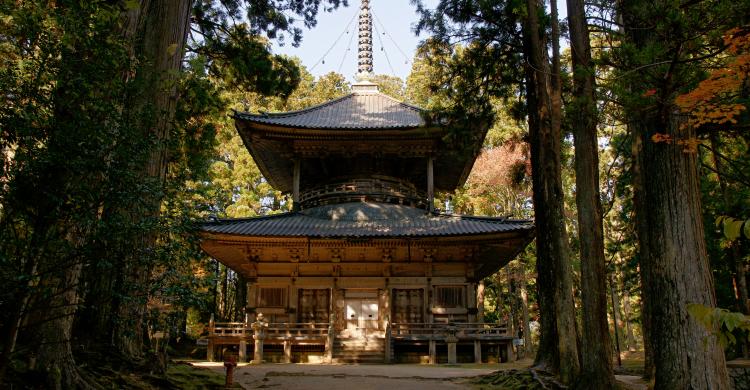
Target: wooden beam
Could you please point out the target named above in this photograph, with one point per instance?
(430, 184)
(295, 184)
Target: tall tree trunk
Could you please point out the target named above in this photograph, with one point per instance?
(627, 315)
(675, 265)
(15, 317)
(223, 293)
(641, 208)
(557, 350)
(55, 355)
(241, 298)
(596, 368)
(160, 45)
(525, 313)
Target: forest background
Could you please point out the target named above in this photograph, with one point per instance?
(116, 139)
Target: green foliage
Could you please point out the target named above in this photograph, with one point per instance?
(733, 228)
(77, 187)
(721, 323)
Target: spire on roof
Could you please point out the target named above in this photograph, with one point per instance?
(365, 41)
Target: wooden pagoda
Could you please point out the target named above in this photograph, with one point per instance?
(364, 269)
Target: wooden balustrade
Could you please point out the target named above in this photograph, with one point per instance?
(302, 331)
(435, 330)
(273, 331)
(378, 188)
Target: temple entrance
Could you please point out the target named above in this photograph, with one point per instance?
(361, 316)
(361, 312)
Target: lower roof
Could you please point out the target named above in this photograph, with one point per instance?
(365, 219)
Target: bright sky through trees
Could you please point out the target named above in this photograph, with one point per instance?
(396, 17)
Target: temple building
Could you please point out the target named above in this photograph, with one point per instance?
(364, 269)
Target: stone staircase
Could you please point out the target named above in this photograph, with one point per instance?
(359, 350)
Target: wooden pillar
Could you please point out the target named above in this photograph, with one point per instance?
(287, 350)
(388, 342)
(480, 301)
(452, 341)
(430, 184)
(243, 351)
(509, 352)
(433, 351)
(295, 184)
(477, 351)
(210, 347)
(210, 350)
(429, 303)
(331, 335)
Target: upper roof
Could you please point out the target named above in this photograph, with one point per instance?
(365, 108)
(361, 134)
(365, 219)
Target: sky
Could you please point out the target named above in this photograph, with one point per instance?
(394, 17)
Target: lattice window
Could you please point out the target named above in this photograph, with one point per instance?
(449, 296)
(272, 297)
(313, 305)
(407, 305)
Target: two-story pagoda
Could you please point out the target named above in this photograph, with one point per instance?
(363, 269)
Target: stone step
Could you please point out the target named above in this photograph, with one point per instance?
(359, 342)
(359, 357)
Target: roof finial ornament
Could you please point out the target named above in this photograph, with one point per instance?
(365, 42)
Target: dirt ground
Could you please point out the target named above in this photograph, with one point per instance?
(354, 377)
(371, 376)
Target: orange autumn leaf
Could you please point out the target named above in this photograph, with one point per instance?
(659, 137)
(713, 100)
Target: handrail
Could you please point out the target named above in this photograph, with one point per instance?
(281, 329)
(462, 329)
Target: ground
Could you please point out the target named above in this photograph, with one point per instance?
(372, 376)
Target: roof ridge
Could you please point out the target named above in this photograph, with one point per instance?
(401, 102)
(286, 114)
(220, 221)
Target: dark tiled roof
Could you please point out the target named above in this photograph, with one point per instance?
(364, 220)
(359, 110)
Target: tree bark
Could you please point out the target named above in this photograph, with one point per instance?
(160, 45)
(627, 315)
(641, 208)
(596, 368)
(55, 355)
(557, 350)
(675, 265)
(525, 313)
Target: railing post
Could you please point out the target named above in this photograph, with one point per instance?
(477, 351)
(433, 351)
(243, 351)
(387, 358)
(330, 339)
(243, 340)
(210, 346)
(288, 349)
(451, 340)
(509, 353)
